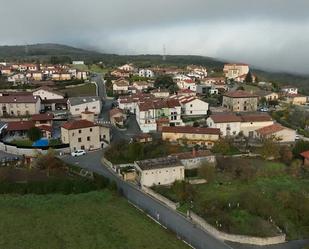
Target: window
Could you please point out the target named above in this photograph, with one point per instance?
(88, 138)
(79, 139)
(76, 109)
(79, 131)
(90, 129)
(191, 105)
(94, 107)
(72, 134)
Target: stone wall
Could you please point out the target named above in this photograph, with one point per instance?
(236, 238)
(161, 198)
(28, 151)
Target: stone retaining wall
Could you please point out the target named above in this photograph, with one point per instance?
(28, 152)
(161, 198)
(236, 238)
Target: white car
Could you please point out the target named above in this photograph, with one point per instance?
(297, 137)
(78, 153)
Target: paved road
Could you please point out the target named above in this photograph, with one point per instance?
(100, 86)
(183, 228)
(167, 217)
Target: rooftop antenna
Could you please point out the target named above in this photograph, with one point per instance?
(164, 53)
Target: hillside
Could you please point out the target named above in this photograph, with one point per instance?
(63, 53)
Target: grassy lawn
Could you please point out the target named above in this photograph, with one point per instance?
(251, 88)
(54, 142)
(22, 142)
(92, 220)
(245, 206)
(85, 90)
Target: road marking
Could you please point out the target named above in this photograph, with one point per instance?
(188, 244)
(156, 221)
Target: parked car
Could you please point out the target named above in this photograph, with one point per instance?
(297, 137)
(78, 153)
(264, 109)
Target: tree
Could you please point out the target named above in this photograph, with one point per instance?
(269, 149)
(300, 147)
(295, 168)
(222, 146)
(207, 171)
(286, 154)
(249, 78)
(165, 82)
(34, 134)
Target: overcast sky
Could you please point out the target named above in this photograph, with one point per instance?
(270, 34)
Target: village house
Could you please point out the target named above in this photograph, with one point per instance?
(289, 90)
(187, 84)
(181, 77)
(84, 134)
(296, 99)
(20, 128)
(146, 73)
(231, 124)
(191, 135)
(159, 171)
(141, 85)
(77, 105)
(160, 93)
(276, 131)
(142, 138)
(17, 78)
(36, 75)
(233, 71)
(120, 73)
(186, 93)
(6, 70)
(120, 86)
(43, 119)
(240, 101)
(117, 117)
(46, 93)
(269, 96)
(149, 111)
(61, 76)
(19, 105)
(127, 68)
(192, 106)
(211, 80)
(196, 158)
(197, 70)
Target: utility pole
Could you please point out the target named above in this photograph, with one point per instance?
(164, 53)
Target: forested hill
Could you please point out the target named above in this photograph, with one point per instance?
(65, 54)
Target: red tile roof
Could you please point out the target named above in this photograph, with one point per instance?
(115, 111)
(305, 154)
(19, 99)
(268, 130)
(256, 117)
(240, 94)
(225, 118)
(20, 125)
(45, 128)
(78, 124)
(191, 130)
(42, 117)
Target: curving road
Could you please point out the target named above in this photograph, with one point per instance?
(175, 222)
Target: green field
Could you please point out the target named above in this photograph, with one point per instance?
(85, 90)
(245, 205)
(92, 220)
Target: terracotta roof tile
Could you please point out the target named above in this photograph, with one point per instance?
(240, 94)
(78, 124)
(268, 130)
(191, 130)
